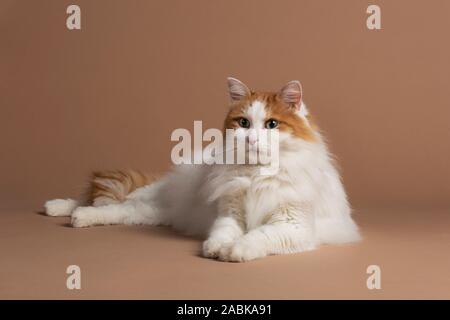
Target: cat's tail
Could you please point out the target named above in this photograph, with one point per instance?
(104, 187)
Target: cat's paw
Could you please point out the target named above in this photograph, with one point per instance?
(60, 207)
(241, 251)
(212, 247)
(84, 217)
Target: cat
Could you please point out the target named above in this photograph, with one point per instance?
(242, 214)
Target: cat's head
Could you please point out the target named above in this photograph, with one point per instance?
(252, 111)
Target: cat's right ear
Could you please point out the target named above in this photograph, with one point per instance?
(237, 89)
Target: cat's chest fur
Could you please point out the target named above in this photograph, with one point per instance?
(258, 199)
(249, 195)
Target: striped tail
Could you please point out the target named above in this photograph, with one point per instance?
(113, 186)
(105, 187)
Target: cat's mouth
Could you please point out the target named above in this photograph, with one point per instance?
(253, 148)
(260, 155)
(261, 147)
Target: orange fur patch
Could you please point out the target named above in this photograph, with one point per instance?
(114, 185)
(276, 109)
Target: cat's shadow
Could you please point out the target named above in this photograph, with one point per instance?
(164, 232)
(161, 231)
(64, 224)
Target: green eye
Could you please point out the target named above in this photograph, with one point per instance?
(271, 124)
(244, 123)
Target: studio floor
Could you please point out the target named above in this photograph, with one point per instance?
(412, 248)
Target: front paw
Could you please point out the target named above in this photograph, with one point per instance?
(241, 251)
(213, 246)
(83, 217)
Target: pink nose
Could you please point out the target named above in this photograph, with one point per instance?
(252, 141)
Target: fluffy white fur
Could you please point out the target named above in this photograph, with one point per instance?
(243, 214)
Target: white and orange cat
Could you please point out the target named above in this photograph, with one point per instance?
(242, 214)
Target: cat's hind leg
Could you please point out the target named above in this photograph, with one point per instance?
(130, 212)
(60, 207)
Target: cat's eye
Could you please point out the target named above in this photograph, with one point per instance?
(244, 123)
(271, 124)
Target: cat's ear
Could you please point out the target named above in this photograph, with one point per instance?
(291, 93)
(237, 89)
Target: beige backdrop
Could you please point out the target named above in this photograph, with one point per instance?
(109, 96)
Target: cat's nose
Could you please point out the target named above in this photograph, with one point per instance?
(252, 140)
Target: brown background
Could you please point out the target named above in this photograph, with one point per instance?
(109, 96)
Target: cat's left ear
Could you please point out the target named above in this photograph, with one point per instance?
(291, 94)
